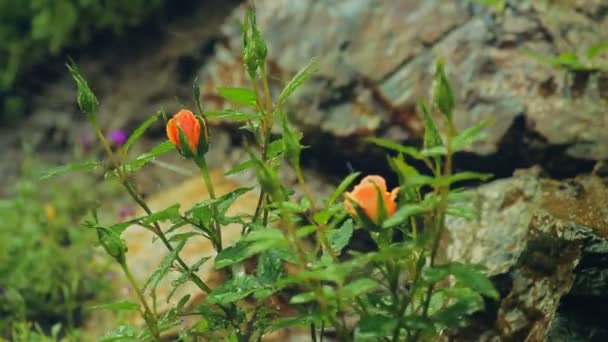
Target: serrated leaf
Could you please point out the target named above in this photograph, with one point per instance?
(185, 276)
(182, 236)
(241, 167)
(339, 238)
(232, 115)
(233, 254)
(241, 96)
(169, 213)
(391, 145)
(233, 290)
(404, 213)
(472, 277)
(302, 298)
(270, 266)
(296, 321)
(123, 333)
(64, 169)
(298, 80)
(358, 287)
(147, 157)
(470, 135)
(164, 267)
(121, 305)
(139, 131)
(375, 327)
(431, 138)
(345, 184)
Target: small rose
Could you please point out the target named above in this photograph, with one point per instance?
(186, 127)
(367, 196)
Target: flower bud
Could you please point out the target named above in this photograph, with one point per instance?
(184, 131)
(371, 198)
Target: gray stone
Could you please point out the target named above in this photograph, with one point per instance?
(376, 60)
(542, 241)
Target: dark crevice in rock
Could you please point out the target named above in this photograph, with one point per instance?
(580, 319)
(522, 148)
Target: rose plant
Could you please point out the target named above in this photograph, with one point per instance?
(400, 290)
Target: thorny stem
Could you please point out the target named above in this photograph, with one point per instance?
(149, 316)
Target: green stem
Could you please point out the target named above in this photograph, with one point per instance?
(149, 316)
(159, 233)
(202, 164)
(439, 218)
(322, 232)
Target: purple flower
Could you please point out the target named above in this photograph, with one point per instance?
(126, 212)
(117, 137)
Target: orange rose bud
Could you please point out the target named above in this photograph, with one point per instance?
(365, 195)
(190, 126)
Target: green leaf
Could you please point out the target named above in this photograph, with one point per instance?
(443, 97)
(182, 236)
(241, 167)
(164, 267)
(216, 318)
(233, 290)
(358, 287)
(170, 213)
(432, 275)
(596, 49)
(121, 305)
(339, 238)
(473, 277)
(291, 140)
(185, 276)
(232, 115)
(345, 184)
(63, 169)
(470, 135)
(431, 134)
(123, 333)
(298, 80)
(464, 176)
(464, 301)
(147, 157)
(391, 145)
(241, 96)
(404, 213)
(275, 148)
(375, 327)
(270, 266)
(295, 321)
(233, 254)
(465, 211)
(302, 298)
(139, 131)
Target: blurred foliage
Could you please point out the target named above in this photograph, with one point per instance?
(47, 271)
(33, 30)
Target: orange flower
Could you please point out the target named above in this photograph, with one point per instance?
(365, 195)
(189, 125)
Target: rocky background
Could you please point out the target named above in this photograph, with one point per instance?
(542, 232)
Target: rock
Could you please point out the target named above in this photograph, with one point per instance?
(376, 60)
(543, 242)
